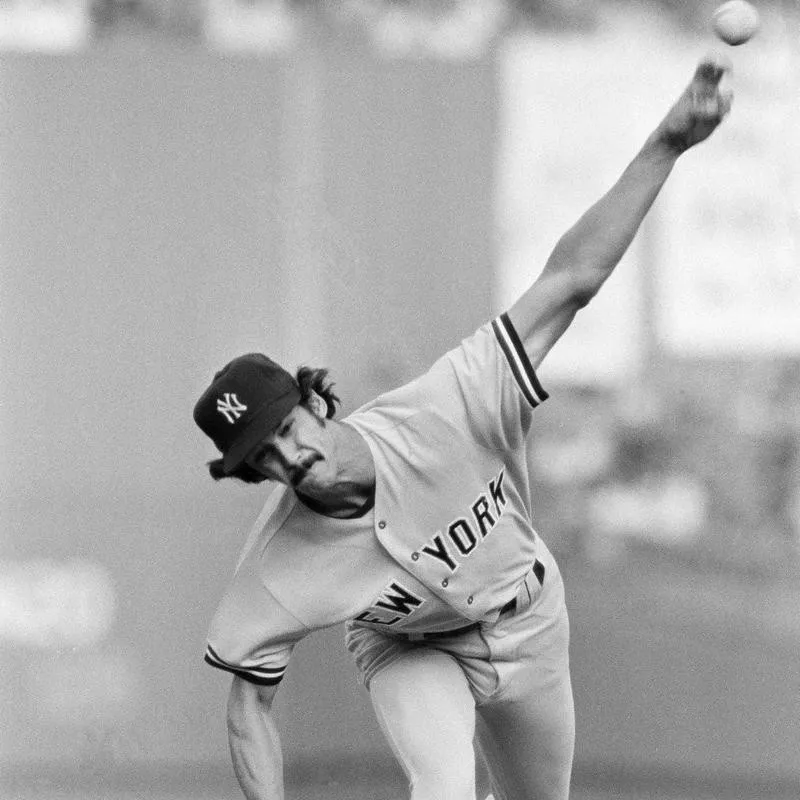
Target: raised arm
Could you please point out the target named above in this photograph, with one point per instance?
(588, 252)
(254, 741)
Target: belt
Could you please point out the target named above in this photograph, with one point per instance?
(509, 607)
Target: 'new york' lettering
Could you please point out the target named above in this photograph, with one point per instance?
(394, 598)
(465, 533)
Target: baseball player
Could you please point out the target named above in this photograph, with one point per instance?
(410, 520)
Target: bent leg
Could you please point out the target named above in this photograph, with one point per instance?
(529, 746)
(527, 730)
(426, 710)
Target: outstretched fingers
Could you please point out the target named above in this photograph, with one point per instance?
(712, 68)
(701, 107)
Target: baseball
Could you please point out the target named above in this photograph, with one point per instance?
(735, 22)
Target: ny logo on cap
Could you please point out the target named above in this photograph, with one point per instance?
(231, 408)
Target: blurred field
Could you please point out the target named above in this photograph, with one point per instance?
(392, 788)
(686, 687)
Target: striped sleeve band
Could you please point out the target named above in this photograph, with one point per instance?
(262, 676)
(518, 361)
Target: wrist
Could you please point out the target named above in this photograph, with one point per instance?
(662, 148)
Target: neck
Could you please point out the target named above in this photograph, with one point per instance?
(339, 506)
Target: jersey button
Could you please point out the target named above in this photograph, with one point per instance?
(415, 556)
(382, 524)
(445, 582)
(470, 599)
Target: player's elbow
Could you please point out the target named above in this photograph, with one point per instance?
(583, 293)
(583, 271)
(240, 700)
(246, 702)
(581, 286)
(578, 280)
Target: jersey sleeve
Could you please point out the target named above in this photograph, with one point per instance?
(490, 381)
(252, 634)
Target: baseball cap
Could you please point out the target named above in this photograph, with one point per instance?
(245, 402)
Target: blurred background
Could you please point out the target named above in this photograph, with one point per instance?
(359, 184)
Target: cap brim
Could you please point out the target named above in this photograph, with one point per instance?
(262, 424)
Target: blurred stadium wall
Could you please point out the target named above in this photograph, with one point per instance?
(166, 205)
(162, 210)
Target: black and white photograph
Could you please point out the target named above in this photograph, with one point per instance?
(400, 399)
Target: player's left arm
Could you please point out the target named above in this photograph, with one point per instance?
(589, 251)
(254, 741)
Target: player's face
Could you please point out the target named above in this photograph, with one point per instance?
(297, 454)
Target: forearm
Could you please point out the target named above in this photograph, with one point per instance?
(588, 252)
(594, 245)
(255, 745)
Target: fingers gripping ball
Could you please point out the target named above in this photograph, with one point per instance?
(701, 107)
(711, 97)
(735, 22)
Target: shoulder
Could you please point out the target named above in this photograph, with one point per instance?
(252, 634)
(251, 604)
(276, 510)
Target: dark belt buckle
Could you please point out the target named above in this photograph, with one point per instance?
(538, 571)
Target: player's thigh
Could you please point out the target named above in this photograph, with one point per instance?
(529, 742)
(425, 707)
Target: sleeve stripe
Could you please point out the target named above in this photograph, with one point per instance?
(267, 670)
(518, 360)
(244, 675)
(263, 676)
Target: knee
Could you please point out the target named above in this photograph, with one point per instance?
(444, 773)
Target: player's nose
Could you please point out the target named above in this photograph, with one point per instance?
(288, 454)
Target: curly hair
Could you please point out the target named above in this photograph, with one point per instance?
(308, 379)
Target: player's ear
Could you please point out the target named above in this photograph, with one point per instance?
(317, 405)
